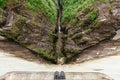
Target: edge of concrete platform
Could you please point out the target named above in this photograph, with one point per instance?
(50, 76)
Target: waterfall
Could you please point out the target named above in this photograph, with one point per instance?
(59, 29)
(59, 16)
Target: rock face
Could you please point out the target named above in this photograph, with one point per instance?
(35, 32)
(98, 22)
(95, 24)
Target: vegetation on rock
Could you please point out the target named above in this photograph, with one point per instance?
(84, 24)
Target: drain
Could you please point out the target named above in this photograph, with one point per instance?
(59, 76)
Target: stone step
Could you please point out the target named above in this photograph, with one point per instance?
(50, 76)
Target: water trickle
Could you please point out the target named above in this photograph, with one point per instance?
(59, 33)
(59, 16)
(59, 29)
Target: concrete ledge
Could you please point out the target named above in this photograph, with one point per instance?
(50, 76)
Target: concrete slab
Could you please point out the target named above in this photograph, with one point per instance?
(108, 65)
(50, 76)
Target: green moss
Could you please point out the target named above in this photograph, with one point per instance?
(74, 21)
(9, 34)
(52, 37)
(41, 50)
(22, 22)
(1, 11)
(88, 30)
(103, 1)
(2, 3)
(43, 53)
(77, 36)
(47, 7)
(93, 16)
(96, 25)
(89, 19)
(72, 7)
(2, 18)
(72, 51)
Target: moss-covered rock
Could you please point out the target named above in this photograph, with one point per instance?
(32, 35)
(2, 18)
(81, 29)
(94, 24)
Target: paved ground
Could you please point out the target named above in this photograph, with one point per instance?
(50, 76)
(109, 65)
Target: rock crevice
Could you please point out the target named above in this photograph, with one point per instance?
(60, 41)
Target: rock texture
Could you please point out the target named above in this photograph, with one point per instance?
(36, 32)
(95, 24)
